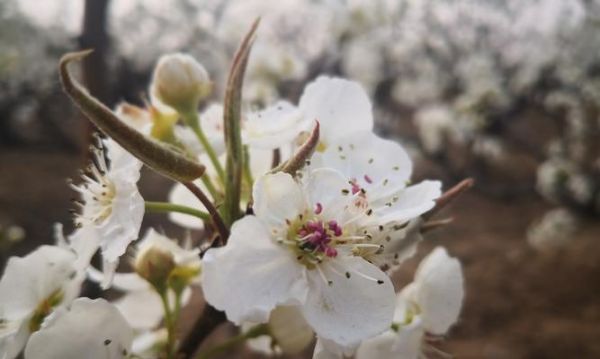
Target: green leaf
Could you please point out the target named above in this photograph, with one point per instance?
(151, 152)
(232, 124)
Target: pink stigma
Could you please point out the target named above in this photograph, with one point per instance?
(318, 208)
(368, 179)
(317, 236)
(355, 186)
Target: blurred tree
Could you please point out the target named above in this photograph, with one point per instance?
(94, 35)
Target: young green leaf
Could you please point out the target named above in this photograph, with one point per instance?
(151, 152)
(232, 124)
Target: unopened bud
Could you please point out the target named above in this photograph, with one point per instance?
(155, 265)
(180, 81)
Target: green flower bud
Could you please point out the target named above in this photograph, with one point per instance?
(180, 81)
(155, 265)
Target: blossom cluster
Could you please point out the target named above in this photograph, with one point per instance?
(305, 215)
(486, 70)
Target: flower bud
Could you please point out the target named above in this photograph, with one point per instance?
(180, 81)
(155, 265)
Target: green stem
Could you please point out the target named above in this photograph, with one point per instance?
(170, 324)
(191, 118)
(254, 332)
(177, 309)
(247, 170)
(162, 207)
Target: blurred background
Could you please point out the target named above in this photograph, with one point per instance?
(504, 91)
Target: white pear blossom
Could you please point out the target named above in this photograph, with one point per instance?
(556, 229)
(111, 207)
(88, 329)
(342, 108)
(429, 305)
(299, 250)
(31, 288)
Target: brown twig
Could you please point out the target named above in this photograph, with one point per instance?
(214, 214)
(449, 196)
(204, 326)
(431, 225)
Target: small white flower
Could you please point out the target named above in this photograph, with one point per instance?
(556, 229)
(430, 304)
(342, 108)
(111, 209)
(435, 124)
(88, 329)
(298, 250)
(31, 288)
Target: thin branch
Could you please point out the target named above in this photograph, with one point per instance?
(204, 326)
(212, 211)
(449, 196)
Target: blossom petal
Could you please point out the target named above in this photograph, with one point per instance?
(275, 126)
(379, 166)
(408, 203)
(121, 281)
(252, 274)
(29, 280)
(277, 198)
(439, 290)
(143, 310)
(341, 107)
(89, 329)
(358, 304)
(405, 344)
(123, 225)
(326, 349)
(13, 337)
(325, 186)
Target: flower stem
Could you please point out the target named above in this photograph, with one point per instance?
(162, 207)
(191, 118)
(170, 324)
(247, 169)
(254, 332)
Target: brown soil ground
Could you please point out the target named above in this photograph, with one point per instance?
(520, 303)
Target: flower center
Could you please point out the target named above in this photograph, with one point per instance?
(314, 239)
(97, 191)
(316, 236)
